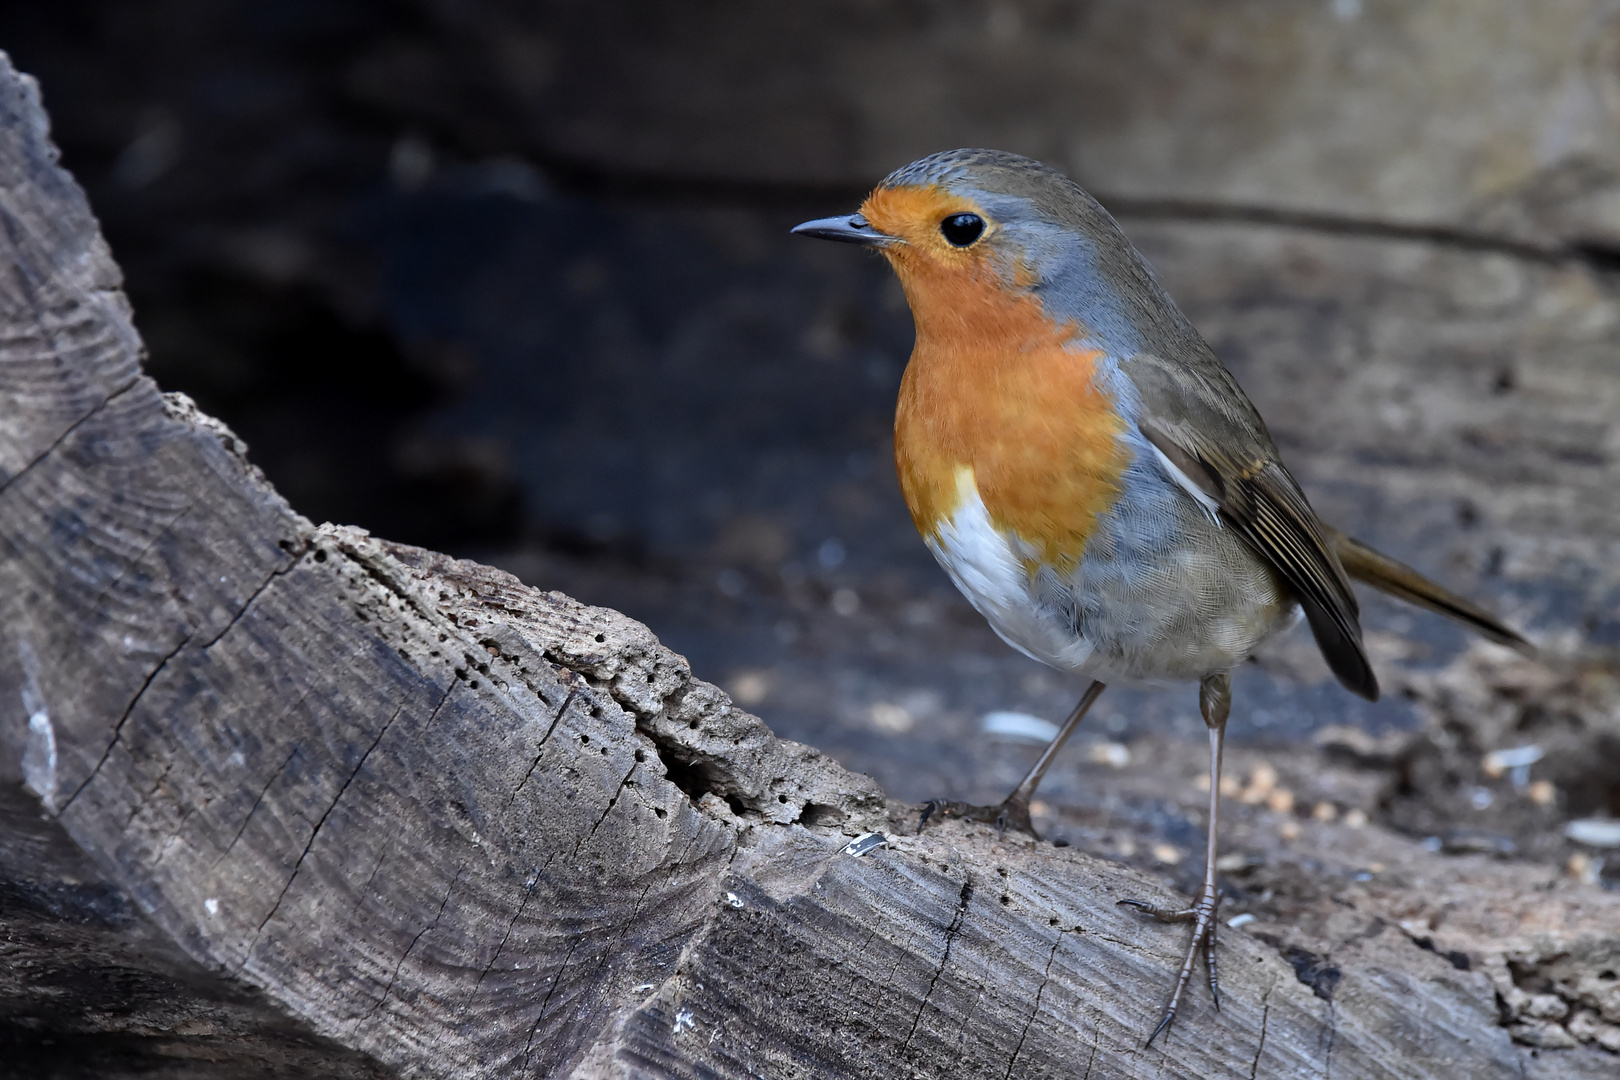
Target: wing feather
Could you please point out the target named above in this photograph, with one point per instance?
(1200, 421)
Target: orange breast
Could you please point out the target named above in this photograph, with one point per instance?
(992, 387)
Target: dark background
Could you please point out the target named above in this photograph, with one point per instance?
(513, 281)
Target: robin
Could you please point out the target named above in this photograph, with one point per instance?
(1090, 476)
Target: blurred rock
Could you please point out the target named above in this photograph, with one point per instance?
(1503, 119)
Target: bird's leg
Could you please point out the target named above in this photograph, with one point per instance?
(1215, 702)
(1013, 811)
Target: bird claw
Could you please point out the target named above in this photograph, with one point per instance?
(1164, 1025)
(929, 809)
(1202, 916)
(1010, 814)
(1162, 914)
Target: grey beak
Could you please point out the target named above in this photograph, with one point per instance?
(849, 228)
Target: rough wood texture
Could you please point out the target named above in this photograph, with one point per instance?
(469, 829)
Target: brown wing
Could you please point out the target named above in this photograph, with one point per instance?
(1200, 419)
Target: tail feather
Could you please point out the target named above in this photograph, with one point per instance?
(1399, 580)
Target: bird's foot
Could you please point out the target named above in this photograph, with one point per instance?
(1012, 813)
(1202, 916)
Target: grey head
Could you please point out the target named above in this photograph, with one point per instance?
(1084, 269)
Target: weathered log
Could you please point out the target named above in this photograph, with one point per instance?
(453, 826)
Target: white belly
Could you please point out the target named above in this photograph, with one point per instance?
(985, 565)
(1162, 591)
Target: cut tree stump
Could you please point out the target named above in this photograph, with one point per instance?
(317, 804)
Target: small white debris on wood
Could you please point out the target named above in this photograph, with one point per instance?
(1114, 754)
(1019, 727)
(1545, 1007)
(864, 844)
(1585, 869)
(1543, 1034)
(1168, 853)
(1596, 832)
(1515, 761)
(887, 716)
(750, 688)
(39, 753)
(1587, 1026)
(1262, 782)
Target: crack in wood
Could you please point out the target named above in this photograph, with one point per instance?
(1265, 1018)
(302, 697)
(675, 867)
(528, 1047)
(140, 804)
(374, 571)
(400, 963)
(855, 976)
(167, 529)
(945, 957)
(1046, 977)
(248, 603)
(259, 799)
(568, 699)
(635, 909)
(611, 803)
(1333, 1038)
(360, 895)
(247, 954)
(523, 904)
(118, 728)
(67, 433)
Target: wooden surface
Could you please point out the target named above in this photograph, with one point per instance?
(453, 826)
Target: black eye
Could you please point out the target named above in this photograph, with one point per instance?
(962, 229)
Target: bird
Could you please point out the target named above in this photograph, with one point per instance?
(1091, 477)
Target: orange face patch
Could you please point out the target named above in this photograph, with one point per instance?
(914, 214)
(994, 386)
